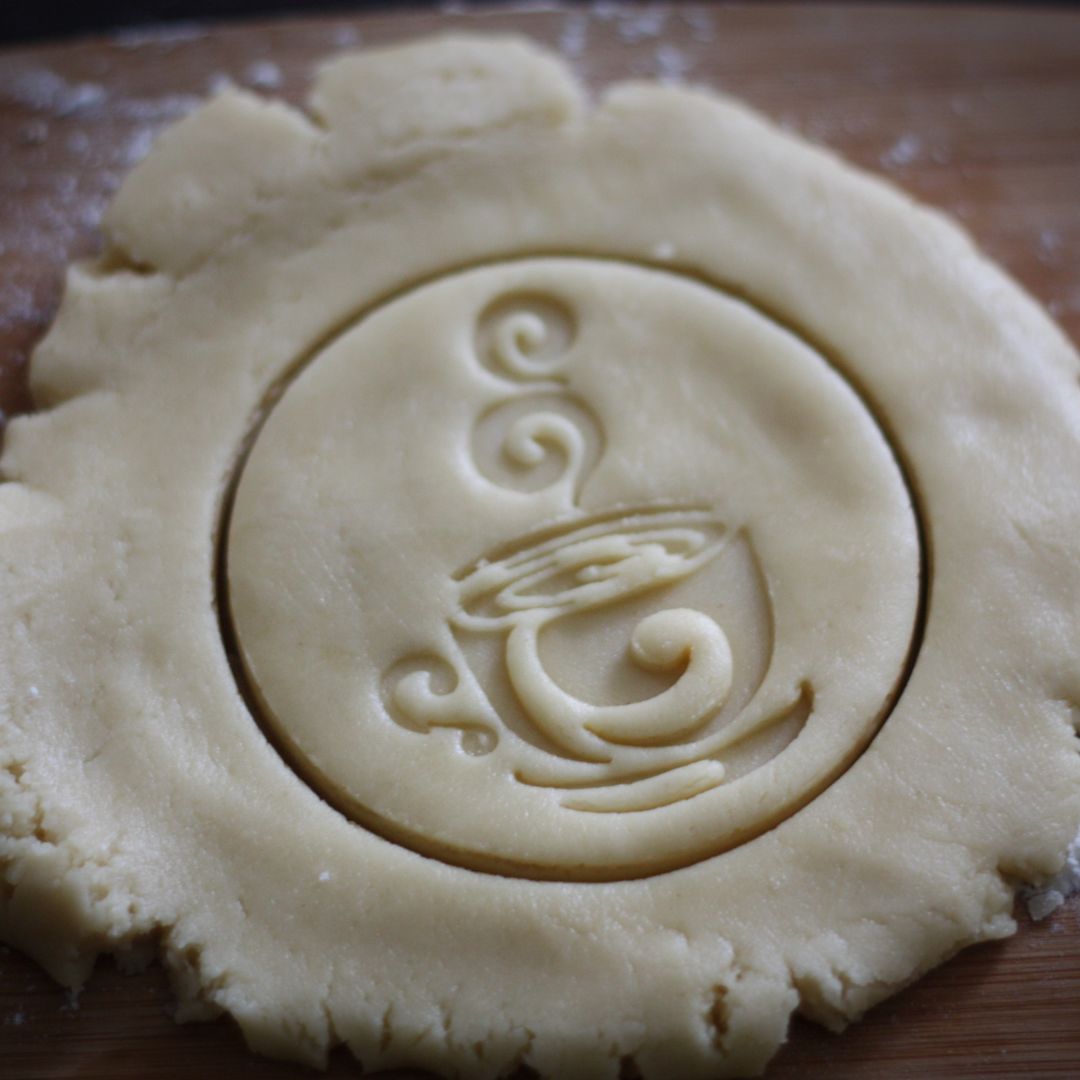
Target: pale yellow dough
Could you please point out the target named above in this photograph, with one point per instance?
(645, 543)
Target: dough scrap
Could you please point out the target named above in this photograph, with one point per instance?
(263, 266)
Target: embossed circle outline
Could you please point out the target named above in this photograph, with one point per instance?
(465, 859)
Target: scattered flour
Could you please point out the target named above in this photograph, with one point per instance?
(1067, 305)
(34, 133)
(1050, 246)
(574, 35)
(138, 146)
(263, 75)
(345, 36)
(156, 110)
(1049, 897)
(605, 10)
(16, 306)
(672, 64)
(81, 96)
(904, 151)
(165, 34)
(701, 24)
(640, 24)
(60, 209)
(43, 90)
(78, 142)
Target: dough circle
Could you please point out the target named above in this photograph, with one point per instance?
(686, 464)
(248, 254)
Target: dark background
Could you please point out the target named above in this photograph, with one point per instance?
(34, 20)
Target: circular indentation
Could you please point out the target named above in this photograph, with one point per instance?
(571, 569)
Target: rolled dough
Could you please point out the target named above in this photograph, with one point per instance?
(499, 580)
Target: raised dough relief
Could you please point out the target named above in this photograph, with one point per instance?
(543, 441)
(558, 593)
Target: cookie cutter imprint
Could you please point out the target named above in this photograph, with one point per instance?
(751, 513)
(258, 258)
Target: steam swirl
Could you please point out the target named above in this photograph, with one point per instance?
(526, 338)
(537, 444)
(517, 340)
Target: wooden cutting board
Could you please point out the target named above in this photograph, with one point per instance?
(975, 111)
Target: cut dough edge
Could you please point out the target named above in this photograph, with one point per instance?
(50, 876)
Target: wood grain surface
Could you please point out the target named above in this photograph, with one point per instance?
(975, 111)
